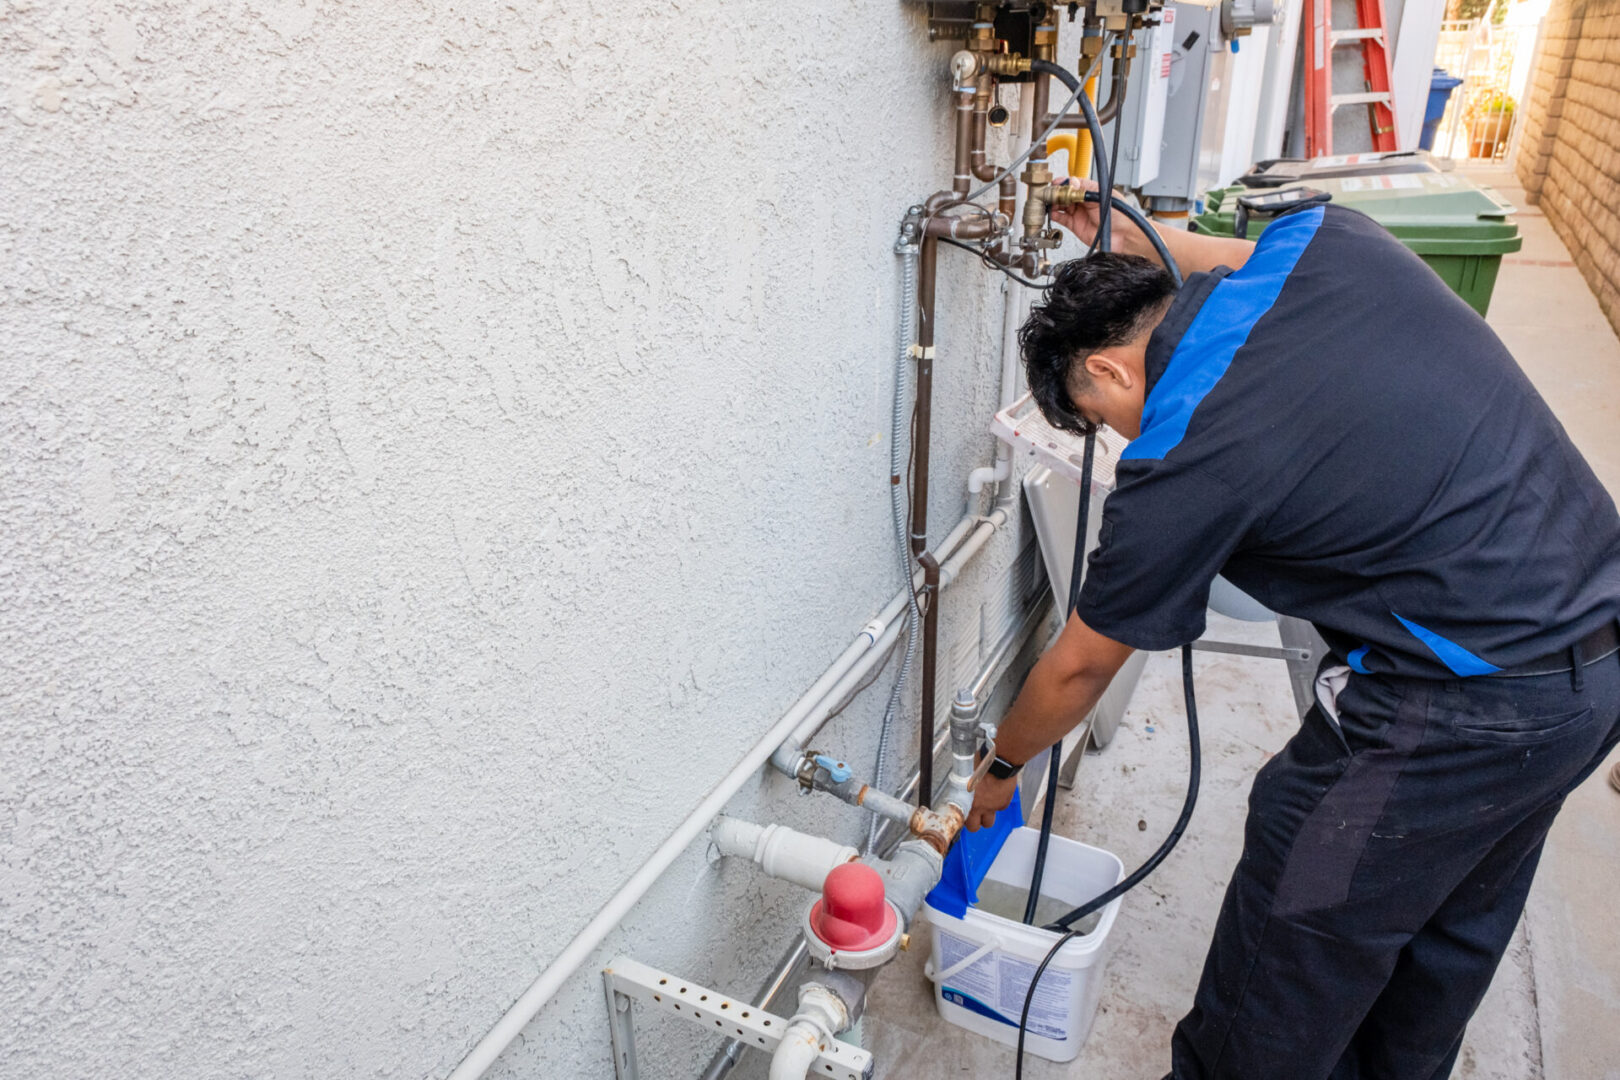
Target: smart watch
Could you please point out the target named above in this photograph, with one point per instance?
(1001, 768)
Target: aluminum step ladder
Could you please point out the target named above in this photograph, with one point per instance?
(1372, 38)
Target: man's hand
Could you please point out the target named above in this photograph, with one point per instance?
(990, 796)
(1192, 252)
(1083, 221)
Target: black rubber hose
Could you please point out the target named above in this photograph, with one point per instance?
(1152, 234)
(1143, 871)
(1054, 766)
(1105, 174)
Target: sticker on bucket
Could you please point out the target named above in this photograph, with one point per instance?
(993, 984)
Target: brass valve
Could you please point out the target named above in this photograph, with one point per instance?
(1006, 64)
(1062, 195)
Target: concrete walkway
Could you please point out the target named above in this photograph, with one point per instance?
(1553, 1012)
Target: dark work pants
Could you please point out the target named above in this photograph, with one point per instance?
(1383, 873)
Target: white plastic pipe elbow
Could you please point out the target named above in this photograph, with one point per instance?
(781, 852)
(797, 1052)
(822, 1014)
(984, 476)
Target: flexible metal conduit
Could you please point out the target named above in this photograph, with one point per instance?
(899, 425)
(814, 706)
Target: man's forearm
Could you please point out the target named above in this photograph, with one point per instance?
(1051, 703)
(1194, 253)
(1063, 686)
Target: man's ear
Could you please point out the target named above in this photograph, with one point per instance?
(1107, 370)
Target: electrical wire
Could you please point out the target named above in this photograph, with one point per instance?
(1106, 231)
(984, 257)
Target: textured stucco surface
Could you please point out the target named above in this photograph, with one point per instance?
(437, 441)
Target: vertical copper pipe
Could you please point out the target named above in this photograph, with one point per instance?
(962, 170)
(982, 169)
(930, 664)
(928, 265)
(1037, 116)
(1008, 196)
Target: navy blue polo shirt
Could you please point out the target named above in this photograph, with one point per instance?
(1348, 442)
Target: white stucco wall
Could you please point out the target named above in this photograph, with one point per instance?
(437, 441)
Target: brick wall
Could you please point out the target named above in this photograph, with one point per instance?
(1569, 149)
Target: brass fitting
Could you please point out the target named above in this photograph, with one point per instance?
(1038, 176)
(983, 38)
(937, 830)
(1061, 195)
(1006, 64)
(1046, 39)
(984, 91)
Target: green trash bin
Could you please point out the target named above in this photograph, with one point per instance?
(1460, 228)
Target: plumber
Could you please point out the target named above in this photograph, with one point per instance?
(1320, 419)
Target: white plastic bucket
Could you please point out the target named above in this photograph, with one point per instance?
(982, 964)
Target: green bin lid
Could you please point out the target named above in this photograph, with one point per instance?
(1432, 213)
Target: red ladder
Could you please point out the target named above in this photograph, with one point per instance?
(1320, 100)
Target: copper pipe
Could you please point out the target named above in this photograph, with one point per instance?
(927, 273)
(1008, 196)
(963, 227)
(1122, 72)
(962, 170)
(930, 674)
(1007, 189)
(1036, 173)
(982, 169)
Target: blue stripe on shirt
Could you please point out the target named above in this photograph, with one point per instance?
(1454, 656)
(1218, 331)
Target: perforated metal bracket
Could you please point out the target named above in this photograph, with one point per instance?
(626, 981)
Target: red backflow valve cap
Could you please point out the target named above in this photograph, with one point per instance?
(853, 914)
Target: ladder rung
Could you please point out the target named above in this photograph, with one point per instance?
(1357, 35)
(1373, 98)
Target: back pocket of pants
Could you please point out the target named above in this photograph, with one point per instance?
(1519, 729)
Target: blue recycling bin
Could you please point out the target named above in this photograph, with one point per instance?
(1441, 85)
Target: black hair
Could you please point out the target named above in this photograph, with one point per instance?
(1093, 303)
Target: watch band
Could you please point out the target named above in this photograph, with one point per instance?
(1001, 768)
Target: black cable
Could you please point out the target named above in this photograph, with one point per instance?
(1054, 766)
(1143, 871)
(1105, 228)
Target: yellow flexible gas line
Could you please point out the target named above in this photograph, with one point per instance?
(1077, 144)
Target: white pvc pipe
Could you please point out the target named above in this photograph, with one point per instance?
(1015, 306)
(796, 1054)
(578, 950)
(781, 852)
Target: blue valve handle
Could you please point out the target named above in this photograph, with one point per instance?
(837, 771)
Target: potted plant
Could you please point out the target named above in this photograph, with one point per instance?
(1490, 122)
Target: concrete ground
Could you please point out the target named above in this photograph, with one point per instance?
(1553, 1012)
